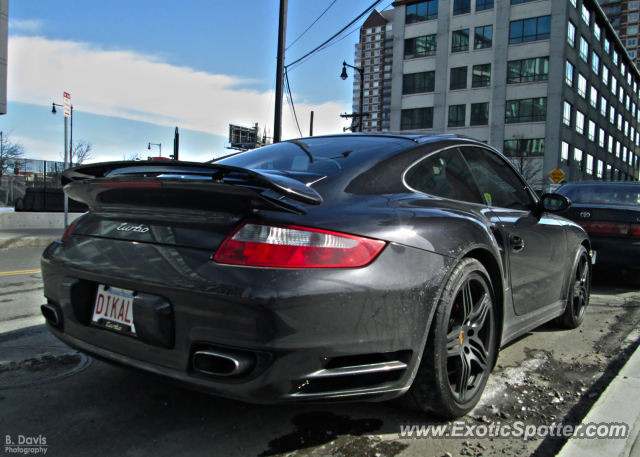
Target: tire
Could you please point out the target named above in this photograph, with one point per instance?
(579, 291)
(461, 346)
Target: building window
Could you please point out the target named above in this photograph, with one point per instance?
(526, 148)
(420, 47)
(607, 45)
(577, 158)
(481, 75)
(603, 106)
(619, 121)
(601, 136)
(460, 40)
(633, 5)
(483, 37)
(593, 97)
(482, 5)
(537, 28)
(582, 86)
(612, 115)
(566, 114)
(480, 114)
(417, 118)
(600, 169)
(632, 30)
(422, 11)
(595, 63)
(589, 164)
(458, 78)
(568, 74)
(614, 85)
(456, 115)
(610, 144)
(526, 110)
(417, 83)
(597, 32)
(528, 70)
(591, 132)
(579, 122)
(573, 2)
(571, 34)
(461, 6)
(632, 42)
(605, 75)
(633, 17)
(586, 15)
(584, 49)
(615, 57)
(564, 153)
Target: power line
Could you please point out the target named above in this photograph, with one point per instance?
(293, 108)
(319, 48)
(311, 25)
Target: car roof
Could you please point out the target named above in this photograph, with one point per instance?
(602, 183)
(415, 137)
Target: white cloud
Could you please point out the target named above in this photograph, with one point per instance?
(25, 26)
(134, 86)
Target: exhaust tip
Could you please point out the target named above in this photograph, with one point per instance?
(224, 362)
(53, 314)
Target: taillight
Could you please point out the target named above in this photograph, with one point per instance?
(286, 246)
(635, 230)
(607, 228)
(67, 233)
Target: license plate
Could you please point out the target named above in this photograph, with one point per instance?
(114, 309)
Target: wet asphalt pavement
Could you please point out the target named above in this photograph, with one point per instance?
(547, 375)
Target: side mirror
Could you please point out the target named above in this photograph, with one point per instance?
(554, 203)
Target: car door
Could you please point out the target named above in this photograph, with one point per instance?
(536, 245)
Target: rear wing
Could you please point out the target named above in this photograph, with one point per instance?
(186, 185)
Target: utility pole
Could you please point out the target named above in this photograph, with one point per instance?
(282, 42)
(311, 126)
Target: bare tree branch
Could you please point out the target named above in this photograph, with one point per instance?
(9, 151)
(132, 156)
(80, 153)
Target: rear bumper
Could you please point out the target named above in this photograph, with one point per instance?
(307, 321)
(616, 251)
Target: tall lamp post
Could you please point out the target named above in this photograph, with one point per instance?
(156, 144)
(344, 76)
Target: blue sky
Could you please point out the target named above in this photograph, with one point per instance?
(137, 68)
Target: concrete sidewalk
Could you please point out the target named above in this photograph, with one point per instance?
(620, 403)
(28, 238)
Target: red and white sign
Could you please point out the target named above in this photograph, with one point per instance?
(114, 309)
(66, 104)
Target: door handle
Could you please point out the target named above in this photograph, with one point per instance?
(517, 243)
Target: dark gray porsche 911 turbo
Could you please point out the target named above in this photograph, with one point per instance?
(347, 267)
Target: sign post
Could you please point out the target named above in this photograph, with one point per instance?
(66, 97)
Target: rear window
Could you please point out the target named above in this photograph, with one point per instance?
(325, 156)
(614, 194)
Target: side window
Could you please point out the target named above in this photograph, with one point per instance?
(499, 184)
(444, 175)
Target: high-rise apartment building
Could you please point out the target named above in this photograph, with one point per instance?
(544, 81)
(374, 54)
(623, 17)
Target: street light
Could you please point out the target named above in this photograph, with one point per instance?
(70, 157)
(156, 144)
(344, 76)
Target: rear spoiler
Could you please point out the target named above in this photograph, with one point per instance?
(272, 188)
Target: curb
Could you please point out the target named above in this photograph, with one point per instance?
(27, 242)
(617, 404)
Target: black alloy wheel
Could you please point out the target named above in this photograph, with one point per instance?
(461, 346)
(579, 291)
